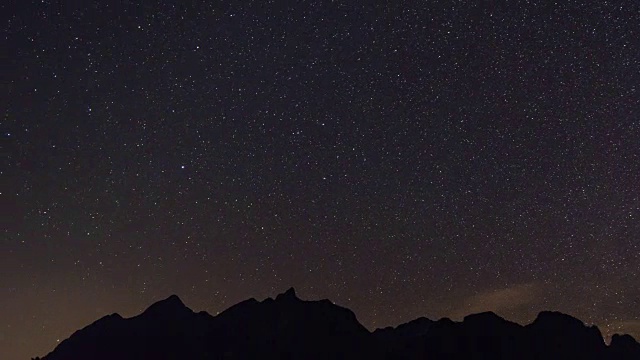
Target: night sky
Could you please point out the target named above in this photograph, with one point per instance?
(415, 159)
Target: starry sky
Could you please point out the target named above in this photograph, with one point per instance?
(406, 159)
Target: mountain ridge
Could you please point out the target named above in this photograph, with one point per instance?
(289, 327)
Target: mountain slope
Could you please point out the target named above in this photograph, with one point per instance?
(290, 328)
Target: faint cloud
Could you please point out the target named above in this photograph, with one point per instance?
(509, 301)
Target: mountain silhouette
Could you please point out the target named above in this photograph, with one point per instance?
(290, 328)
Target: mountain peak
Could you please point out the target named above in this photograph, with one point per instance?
(173, 301)
(624, 347)
(545, 315)
(290, 294)
(170, 305)
(557, 318)
(483, 316)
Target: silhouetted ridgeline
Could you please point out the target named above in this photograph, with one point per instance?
(290, 328)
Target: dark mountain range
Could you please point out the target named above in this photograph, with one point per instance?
(290, 328)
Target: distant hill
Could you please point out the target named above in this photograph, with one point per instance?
(289, 328)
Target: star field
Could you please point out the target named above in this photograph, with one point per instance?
(405, 160)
